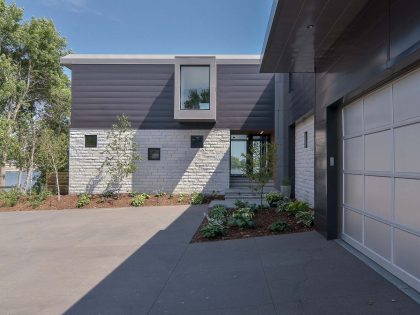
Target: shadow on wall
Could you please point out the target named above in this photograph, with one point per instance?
(182, 169)
(135, 285)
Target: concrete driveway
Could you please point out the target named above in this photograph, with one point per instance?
(139, 261)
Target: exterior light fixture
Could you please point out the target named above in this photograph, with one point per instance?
(310, 26)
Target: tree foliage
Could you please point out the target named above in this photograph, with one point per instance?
(120, 154)
(34, 93)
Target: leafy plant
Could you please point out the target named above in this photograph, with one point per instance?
(83, 200)
(241, 204)
(109, 194)
(197, 199)
(273, 198)
(218, 213)
(282, 204)
(297, 206)
(260, 170)
(159, 193)
(138, 200)
(182, 197)
(242, 218)
(10, 198)
(36, 199)
(120, 154)
(305, 218)
(280, 226)
(212, 230)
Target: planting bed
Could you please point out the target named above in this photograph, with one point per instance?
(262, 219)
(97, 201)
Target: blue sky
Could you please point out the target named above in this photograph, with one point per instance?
(157, 26)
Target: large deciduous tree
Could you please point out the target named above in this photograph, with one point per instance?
(34, 91)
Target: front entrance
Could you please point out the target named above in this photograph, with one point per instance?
(239, 148)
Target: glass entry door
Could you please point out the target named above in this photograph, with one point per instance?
(239, 148)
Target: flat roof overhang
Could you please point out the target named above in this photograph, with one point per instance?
(300, 32)
(101, 59)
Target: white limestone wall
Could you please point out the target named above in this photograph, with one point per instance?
(180, 169)
(304, 161)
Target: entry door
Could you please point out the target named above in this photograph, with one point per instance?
(239, 148)
(381, 177)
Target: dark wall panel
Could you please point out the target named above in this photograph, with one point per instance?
(146, 94)
(245, 98)
(301, 95)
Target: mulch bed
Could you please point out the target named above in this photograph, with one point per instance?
(97, 201)
(263, 219)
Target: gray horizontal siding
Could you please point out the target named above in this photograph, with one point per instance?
(245, 98)
(146, 94)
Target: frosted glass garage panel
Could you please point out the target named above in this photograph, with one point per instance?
(406, 97)
(353, 191)
(353, 154)
(378, 109)
(378, 196)
(378, 151)
(378, 237)
(407, 202)
(407, 148)
(407, 252)
(353, 118)
(353, 224)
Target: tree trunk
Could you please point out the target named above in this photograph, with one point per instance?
(19, 183)
(56, 178)
(31, 168)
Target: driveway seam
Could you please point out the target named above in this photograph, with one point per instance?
(265, 276)
(169, 277)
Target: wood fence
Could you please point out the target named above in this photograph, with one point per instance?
(63, 180)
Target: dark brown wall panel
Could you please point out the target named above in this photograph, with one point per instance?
(146, 94)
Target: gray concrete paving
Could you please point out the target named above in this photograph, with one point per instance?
(140, 261)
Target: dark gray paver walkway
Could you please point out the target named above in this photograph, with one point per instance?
(289, 274)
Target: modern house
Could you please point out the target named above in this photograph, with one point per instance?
(337, 88)
(192, 116)
(350, 118)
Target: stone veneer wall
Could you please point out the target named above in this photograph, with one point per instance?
(304, 161)
(180, 169)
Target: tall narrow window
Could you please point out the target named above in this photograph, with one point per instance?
(305, 139)
(290, 82)
(195, 87)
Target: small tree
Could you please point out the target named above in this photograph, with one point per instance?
(260, 166)
(120, 154)
(52, 153)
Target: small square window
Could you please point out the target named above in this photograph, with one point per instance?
(196, 142)
(153, 154)
(91, 141)
(305, 139)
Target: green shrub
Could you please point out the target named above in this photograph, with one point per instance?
(212, 229)
(10, 198)
(197, 198)
(305, 217)
(241, 204)
(297, 206)
(159, 193)
(182, 197)
(273, 198)
(83, 200)
(282, 204)
(36, 199)
(218, 213)
(280, 226)
(242, 218)
(138, 200)
(110, 194)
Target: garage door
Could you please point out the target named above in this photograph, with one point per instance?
(381, 176)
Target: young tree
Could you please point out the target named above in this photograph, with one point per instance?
(120, 154)
(52, 153)
(261, 165)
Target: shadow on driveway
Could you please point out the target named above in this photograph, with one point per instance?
(289, 274)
